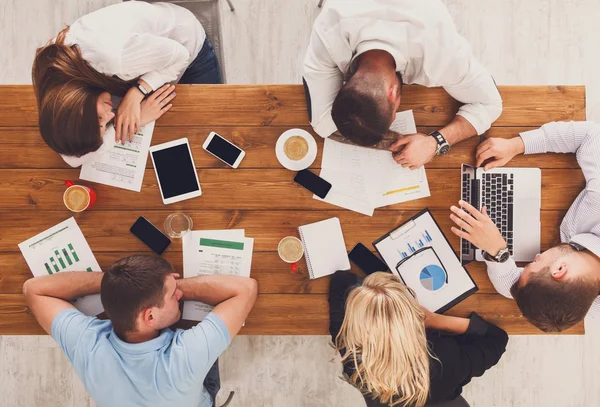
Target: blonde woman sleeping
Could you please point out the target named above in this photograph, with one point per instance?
(399, 354)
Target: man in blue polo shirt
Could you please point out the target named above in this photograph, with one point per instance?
(134, 359)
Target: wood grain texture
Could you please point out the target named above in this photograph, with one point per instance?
(109, 231)
(23, 147)
(295, 314)
(272, 274)
(256, 197)
(245, 190)
(284, 105)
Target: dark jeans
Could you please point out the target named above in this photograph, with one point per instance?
(204, 69)
(212, 381)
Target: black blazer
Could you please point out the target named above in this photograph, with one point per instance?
(461, 357)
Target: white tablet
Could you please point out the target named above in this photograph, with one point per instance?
(175, 171)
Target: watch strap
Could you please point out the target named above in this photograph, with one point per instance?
(142, 89)
(497, 258)
(442, 144)
(439, 138)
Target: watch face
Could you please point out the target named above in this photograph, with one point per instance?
(444, 149)
(504, 256)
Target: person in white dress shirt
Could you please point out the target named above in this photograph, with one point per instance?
(360, 54)
(561, 286)
(129, 50)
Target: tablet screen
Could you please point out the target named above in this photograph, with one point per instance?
(176, 172)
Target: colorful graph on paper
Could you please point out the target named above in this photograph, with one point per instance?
(418, 242)
(62, 248)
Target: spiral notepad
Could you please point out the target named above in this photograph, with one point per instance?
(324, 247)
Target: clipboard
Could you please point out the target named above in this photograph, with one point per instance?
(415, 242)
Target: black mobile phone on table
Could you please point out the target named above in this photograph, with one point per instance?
(366, 260)
(150, 235)
(313, 183)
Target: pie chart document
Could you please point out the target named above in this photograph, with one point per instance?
(419, 253)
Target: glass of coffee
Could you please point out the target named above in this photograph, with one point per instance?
(177, 224)
(290, 250)
(78, 198)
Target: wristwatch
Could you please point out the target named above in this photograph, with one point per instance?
(442, 145)
(142, 89)
(501, 257)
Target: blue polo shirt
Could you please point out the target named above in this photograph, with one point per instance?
(166, 371)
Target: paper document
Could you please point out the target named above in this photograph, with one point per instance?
(419, 253)
(122, 166)
(63, 248)
(404, 123)
(363, 179)
(207, 252)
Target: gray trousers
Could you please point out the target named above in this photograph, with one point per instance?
(212, 381)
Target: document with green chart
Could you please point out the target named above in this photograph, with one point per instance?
(207, 252)
(60, 249)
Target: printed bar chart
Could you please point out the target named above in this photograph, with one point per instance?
(417, 243)
(62, 259)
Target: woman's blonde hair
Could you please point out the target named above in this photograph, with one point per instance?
(383, 335)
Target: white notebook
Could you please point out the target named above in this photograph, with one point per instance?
(324, 247)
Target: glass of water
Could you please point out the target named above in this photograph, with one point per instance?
(177, 224)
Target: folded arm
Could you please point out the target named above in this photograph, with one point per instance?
(322, 82)
(162, 59)
(47, 296)
(472, 85)
(232, 296)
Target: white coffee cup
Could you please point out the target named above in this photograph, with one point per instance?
(290, 243)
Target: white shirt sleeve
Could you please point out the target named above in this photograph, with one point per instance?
(323, 80)
(467, 81)
(161, 58)
(594, 310)
(503, 275)
(581, 138)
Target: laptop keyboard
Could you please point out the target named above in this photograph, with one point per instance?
(466, 196)
(497, 195)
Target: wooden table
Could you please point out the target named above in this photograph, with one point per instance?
(260, 196)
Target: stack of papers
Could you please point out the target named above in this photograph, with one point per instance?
(363, 179)
(208, 252)
(61, 249)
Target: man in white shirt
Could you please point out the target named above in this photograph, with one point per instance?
(360, 54)
(562, 284)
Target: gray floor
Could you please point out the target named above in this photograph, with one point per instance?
(522, 42)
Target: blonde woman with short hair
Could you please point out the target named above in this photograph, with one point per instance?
(399, 354)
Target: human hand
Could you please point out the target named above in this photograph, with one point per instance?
(414, 150)
(499, 150)
(477, 228)
(157, 104)
(127, 121)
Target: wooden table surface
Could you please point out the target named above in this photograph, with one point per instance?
(260, 196)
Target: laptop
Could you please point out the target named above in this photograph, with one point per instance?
(513, 198)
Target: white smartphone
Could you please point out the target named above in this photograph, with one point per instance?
(175, 171)
(224, 150)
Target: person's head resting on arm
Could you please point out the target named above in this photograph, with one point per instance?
(366, 105)
(140, 296)
(383, 335)
(74, 100)
(558, 288)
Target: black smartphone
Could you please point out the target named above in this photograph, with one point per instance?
(366, 260)
(150, 235)
(313, 183)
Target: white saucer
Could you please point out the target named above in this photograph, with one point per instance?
(300, 164)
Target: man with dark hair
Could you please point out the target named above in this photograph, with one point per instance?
(360, 54)
(134, 358)
(562, 284)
